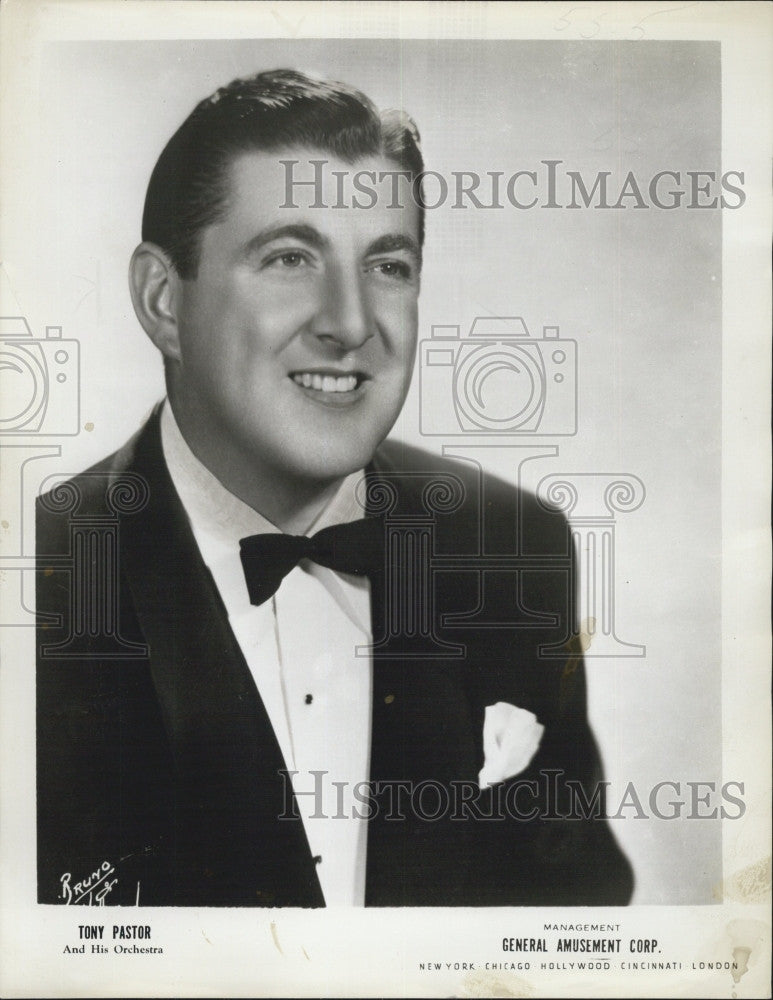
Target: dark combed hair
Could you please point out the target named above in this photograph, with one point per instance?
(273, 110)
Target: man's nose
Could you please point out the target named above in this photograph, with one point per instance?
(344, 316)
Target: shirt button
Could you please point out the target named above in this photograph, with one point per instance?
(309, 699)
(389, 699)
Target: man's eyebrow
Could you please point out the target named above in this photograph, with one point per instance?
(395, 241)
(389, 243)
(307, 234)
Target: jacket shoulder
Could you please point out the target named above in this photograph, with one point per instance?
(87, 494)
(487, 497)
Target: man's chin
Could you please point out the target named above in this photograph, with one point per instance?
(325, 472)
(326, 464)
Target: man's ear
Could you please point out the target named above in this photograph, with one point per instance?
(153, 283)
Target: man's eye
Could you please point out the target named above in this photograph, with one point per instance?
(288, 259)
(393, 269)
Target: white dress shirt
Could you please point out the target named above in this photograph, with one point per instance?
(301, 649)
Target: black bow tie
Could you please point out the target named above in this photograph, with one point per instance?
(356, 547)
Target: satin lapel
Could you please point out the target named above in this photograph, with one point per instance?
(232, 846)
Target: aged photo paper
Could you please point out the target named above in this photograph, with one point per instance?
(593, 329)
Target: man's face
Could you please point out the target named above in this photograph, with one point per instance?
(298, 334)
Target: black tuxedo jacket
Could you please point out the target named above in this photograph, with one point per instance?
(156, 757)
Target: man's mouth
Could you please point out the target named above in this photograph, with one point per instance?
(327, 382)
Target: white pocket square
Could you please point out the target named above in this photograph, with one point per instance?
(511, 737)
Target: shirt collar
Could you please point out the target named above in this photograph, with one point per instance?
(214, 509)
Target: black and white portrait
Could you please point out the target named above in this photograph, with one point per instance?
(367, 424)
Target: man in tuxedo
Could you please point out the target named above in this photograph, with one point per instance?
(261, 676)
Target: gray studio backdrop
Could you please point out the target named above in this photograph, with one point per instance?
(637, 289)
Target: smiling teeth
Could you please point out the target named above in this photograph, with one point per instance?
(326, 383)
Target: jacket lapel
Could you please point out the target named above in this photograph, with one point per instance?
(233, 844)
